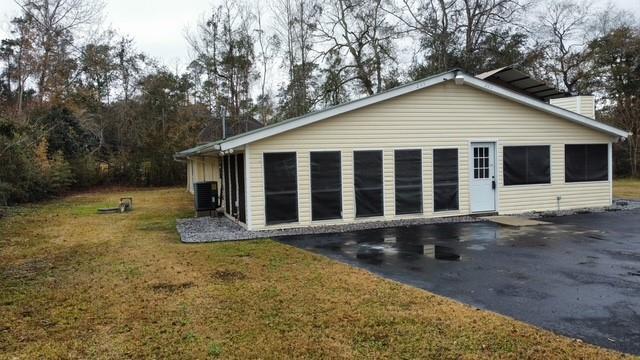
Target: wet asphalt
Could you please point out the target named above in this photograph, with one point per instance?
(579, 276)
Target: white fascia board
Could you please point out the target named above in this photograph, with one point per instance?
(338, 110)
(539, 105)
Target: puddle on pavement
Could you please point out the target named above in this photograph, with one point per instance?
(376, 253)
(441, 253)
(411, 243)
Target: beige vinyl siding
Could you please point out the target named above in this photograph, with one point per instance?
(202, 168)
(443, 116)
(583, 105)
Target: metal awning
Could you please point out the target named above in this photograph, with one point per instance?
(521, 82)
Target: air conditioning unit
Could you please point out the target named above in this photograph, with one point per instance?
(206, 197)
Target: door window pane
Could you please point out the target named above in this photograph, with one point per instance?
(481, 162)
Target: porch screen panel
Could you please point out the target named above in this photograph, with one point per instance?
(408, 181)
(367, 171)
(242, 212)
(227, 192)
(234, 185)
(587, 162)
(326, 185)
(280, 188)
(524, 165)
(445, 179)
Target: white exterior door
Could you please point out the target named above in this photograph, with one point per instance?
(482, 181)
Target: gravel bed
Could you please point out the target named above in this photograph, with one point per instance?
(210, 229)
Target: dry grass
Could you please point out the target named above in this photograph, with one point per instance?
(74, 284)
(627, 189)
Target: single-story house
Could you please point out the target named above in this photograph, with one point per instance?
(448, 145)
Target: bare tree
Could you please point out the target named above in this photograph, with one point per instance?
(486, 17)
(268, 45)
(453, 32)
(358, 31)
(296, 23)
(562, 26)
(55, 21)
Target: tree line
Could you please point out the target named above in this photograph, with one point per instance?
(80, 106)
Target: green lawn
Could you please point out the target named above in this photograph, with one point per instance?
(627, 189)
(74, 284)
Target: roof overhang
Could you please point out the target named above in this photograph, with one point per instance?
(459, 78)
(539, 105)
(204, 149)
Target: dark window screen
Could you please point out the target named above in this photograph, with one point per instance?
(586, 162)
(234, 185)
(227, 203)
(326, 185)
(445, 179)
(526, 165)
(367, 169)
(280, 188)
(242, 211)
(408, 178)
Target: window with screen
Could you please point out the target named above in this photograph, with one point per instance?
(367, 173)
(280, 188)
(408, 181)
(233, 188)
(445, 179)
(587, 162)
(525, 165)
(326, 185)
(227, 186)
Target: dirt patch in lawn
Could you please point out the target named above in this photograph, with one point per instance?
(171, 288)
(78, 285)
(228, 275)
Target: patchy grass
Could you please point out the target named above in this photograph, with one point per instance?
(627, 189)
(74, 284)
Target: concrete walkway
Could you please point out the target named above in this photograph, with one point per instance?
(514, 220)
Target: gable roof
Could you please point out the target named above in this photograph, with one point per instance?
(456, 75)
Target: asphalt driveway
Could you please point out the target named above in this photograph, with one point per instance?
(579, 277)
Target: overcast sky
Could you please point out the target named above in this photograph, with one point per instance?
(159, 29)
